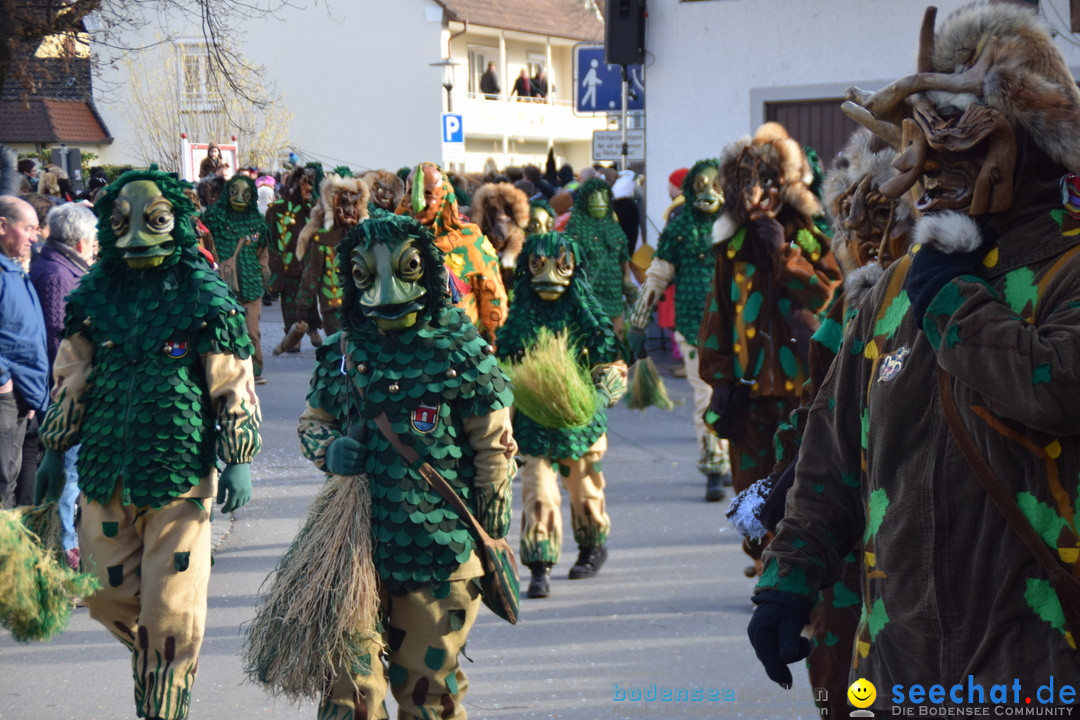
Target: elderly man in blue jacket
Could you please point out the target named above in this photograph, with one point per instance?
(24, 363)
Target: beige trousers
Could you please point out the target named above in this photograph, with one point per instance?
(154, 568)
(713, 451)
(253, 310)
(424, 636)
(541, 517)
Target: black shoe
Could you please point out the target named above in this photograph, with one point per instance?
(714, 487)
(589, 562)
(540, 584)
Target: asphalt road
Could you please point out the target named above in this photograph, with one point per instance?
(668, 612)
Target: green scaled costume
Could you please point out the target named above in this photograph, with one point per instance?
(549, 262)
(411, 355)
(231, 225)
(603, 245)
(154, 379)
(684, 259)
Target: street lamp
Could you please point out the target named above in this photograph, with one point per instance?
(447, 64)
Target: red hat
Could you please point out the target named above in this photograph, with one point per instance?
(676, 178)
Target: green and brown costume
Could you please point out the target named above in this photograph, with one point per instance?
(440, 385)
(684, 259)
(284, 220)
(240, 240)
(603, 247)
(1005, 334)
(797, 281)
(319, 284)
(154, 380)
(575, 454)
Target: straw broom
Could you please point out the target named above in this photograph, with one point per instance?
(550, 386)
(321, 610)
(36, 585)
(646, 387)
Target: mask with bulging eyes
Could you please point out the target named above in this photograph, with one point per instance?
(551, 276)
(598, 205)
(540, 221)
(142, 221)
(239, 195)
(708, 195)
(390, 281)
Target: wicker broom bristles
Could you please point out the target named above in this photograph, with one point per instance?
(550, 386)
(320, 613)
(36, 585)
(646, 387)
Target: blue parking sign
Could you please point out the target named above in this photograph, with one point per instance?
(598, 86)
(452, 129)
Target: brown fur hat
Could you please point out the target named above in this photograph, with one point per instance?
(775, 146)
(389, 182)
(322, 215)
(516, 206)
(1028, 79)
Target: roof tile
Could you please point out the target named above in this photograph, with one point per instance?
(558, 18)
(45, 120)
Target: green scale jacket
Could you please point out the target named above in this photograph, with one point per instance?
(229, 228)
(598, 346)
(146, 415)
(686, 243)
(948, 588)
(426, 380)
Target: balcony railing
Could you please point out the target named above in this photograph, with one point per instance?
(529, 118)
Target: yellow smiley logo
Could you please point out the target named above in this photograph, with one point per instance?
(862, 693)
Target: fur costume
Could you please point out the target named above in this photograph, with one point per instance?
(422, 362)
(154, 382)
(603, 246)
(989, 127)
(769, 253)
(469, 254)
(870, 232)
(343, 202)
(502, 212)
(576, 311)
(684, 259)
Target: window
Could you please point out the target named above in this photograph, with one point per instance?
(196, 78)
(479, 57)
(821, 124)
(534, 61)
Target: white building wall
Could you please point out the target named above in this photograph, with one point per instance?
(712, 66)
(355, 75)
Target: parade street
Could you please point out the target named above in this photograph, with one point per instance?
(666, 617)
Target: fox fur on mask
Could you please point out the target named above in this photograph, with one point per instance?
(490, 202)
(322, 215)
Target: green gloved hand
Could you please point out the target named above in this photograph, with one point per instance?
(345, 456)
(234, 487)
(50, 477)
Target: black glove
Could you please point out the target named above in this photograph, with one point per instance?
(769, 232)
(720, 395)
(930, 270)
(775, 631)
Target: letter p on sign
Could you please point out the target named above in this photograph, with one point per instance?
(452, 131)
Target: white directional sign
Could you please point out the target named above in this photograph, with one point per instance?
(607, 145)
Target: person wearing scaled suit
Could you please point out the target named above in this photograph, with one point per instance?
(154, 379)
(684, 259)
(240, 234)
(406, 352)
(284, 220)
(774, 272)
(469, 254)
(870, 232)
(551, 291)
(984, 313)
(604, 248)
(343, 202)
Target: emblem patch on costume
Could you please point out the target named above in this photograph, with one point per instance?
(892, 364)
(175, 349)
(425, 418)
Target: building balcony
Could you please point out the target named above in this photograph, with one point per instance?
(532, 119)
